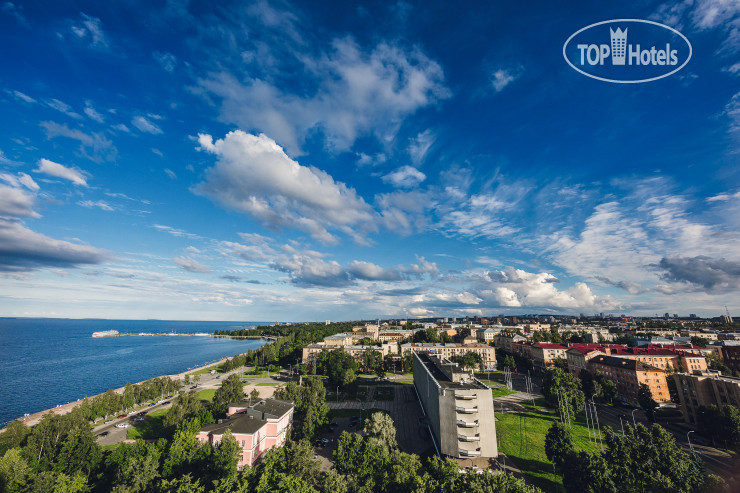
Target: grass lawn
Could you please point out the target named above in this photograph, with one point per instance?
(522, 438)
(203, 371)
(206, 395)
(150, 428)
(501, 391)
(268, 384)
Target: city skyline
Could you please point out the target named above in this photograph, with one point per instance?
(278, 161)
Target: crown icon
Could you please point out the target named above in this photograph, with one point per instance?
(619, 45)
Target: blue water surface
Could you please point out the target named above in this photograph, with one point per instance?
(45, 362)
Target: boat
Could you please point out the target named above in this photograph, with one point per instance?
(105, 333)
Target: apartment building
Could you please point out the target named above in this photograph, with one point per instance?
(705, 389)
(629, 374)
(311, 352)
(486, 352)
(257, 427)
(459, 409)
(544, 354)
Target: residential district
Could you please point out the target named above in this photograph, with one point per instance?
(517, 403)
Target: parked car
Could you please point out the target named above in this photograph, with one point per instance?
(122, 425)
(109, 421)
(152, 404)
(123, 416)
(166, 402)
(104, 434)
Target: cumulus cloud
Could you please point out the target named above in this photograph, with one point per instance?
(712, 275)
(405, 177)
(145, 125)
(357, 93)
(310, 271)
(16, 202)
(191, 265)
(23, 250)
(421, 268)
(20, 180)
(253, 175)
(371, 272)
(95, 146)
(51, 168)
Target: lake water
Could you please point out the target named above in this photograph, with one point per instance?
(45, 362)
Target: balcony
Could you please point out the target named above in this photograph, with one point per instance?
(465, 397)
(470, 453)
(467, 424)
(466, 410)
(466, 438)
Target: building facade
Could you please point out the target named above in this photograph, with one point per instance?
(486, 352)
(256, 427)
(705, 389)
(458, 406)
(629, 374)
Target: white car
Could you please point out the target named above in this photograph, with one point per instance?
(122, 425)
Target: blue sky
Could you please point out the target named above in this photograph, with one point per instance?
(346, 160)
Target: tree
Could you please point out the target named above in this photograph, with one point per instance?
(587, 472)
(254, 395)
(699, 341)
(186, 405)
(14, 471)
(509, 362)
(608, 387)
(558, 444)
(75, 483)
(381, 430)
(563, 391)
(721, 424)
(225, 456)
(182, 484)
(645, 398)
(231, 390)
(13, 436)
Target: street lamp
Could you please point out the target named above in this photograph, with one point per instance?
(337, 393)
(689, 439)
(633, 418)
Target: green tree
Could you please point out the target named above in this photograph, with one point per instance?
(183, 449)
(14, 471)
(381, 430)
(13, 435)
(587, 472)
(558, 444)
(721, 424)
(563, 391)
(699, 341)
(254, 395)
(231, 390)
(225, 456)
(645, 398)
(76, 483)
(509, 362)
(186, 405)
(182, 484)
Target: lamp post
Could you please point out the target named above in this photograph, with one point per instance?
(337, 393)
(689, 439)
(633, 418)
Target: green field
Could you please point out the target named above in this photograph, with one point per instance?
(152, 427)
(268, 384)
(206, 395)
(203, 371)
(522, 438)
(501, 391)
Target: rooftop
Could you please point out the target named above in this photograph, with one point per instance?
(431, 364)
(625, 363)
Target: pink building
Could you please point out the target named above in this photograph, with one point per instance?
(257, 428)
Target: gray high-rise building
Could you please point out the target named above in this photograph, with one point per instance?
(458, 406)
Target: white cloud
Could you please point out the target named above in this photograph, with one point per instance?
(16, 202)
(90, 29)
(121, 127)
(93, 114)
(422, 268)
(178, 233)
(21, 179)
(191, 265)
(100, 204)
(63, 107)
(420, 146)
(167, 61)
(51, 168)
(368, 160)
(310, 271)
(253, 175)
(22, 250)
(144, 125)
(24, 97)
(371, 272)
(405, 177)
(504, 76)
(357, 94)
(170, 173)
(95, 147)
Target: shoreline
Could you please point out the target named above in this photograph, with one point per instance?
(62, 409)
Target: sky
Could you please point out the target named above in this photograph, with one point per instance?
(351, 160)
